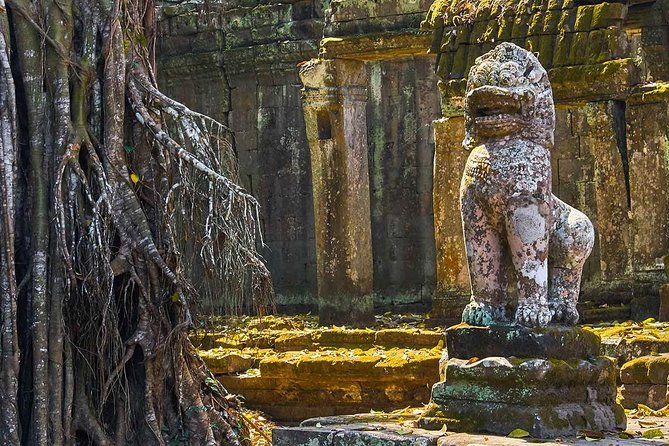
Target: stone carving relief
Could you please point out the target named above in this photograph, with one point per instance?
(510, 217)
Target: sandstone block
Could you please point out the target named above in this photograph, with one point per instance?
(540, 421)
(512, 372)
(227, 363)
(608, 14)
(404, 338)
(583, 18)
(651, 395)
(646, 370)
(464, 341)
(567, 21)
(633, 394)
(551, 21)
(577, 51)
(562, 47)
(664, 299)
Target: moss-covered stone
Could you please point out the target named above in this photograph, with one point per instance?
(536, 23)
(595, 46)
(583, 18)
(551, 20)
(567, 20)
(578, 48)
(505, 28)
(543, 421)
(458, 69)
(227, 362)
(606, 14)
(646, 370)
(604, 80)
(520, 27)
(546, 49)
(517, 372)
(562, 48)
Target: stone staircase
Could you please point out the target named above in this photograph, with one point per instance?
(298, 372)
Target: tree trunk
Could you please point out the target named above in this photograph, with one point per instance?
(104, 183)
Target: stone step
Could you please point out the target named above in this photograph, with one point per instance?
(292, 386)
(629, 340)
(363, 430)
(290, 340)
(644, 381)
(359, 435)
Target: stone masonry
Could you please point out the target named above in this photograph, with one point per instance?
(608, 64)
(239, 62)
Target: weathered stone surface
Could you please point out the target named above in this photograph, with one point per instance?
(651, 395)
(296, 385)
(531, 373)
(548, 381)
(664, 302)
(543, 421)
(646, 370)
(335, 98)
(227, 363)
(548, 398)
(627, 349)
(377, 434)
(465, 342)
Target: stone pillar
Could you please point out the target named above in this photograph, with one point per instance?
(452, 291)
(610, 192)
(334, 103)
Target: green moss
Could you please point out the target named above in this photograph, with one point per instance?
(583, 18)
(607, 14)
(562, 47)
(520, 27)
(505, 28)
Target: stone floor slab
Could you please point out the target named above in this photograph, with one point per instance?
(399, 434)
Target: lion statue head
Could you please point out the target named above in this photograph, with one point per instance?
(508, 96)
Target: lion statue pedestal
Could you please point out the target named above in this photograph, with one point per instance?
(507, 371)
(550, 382)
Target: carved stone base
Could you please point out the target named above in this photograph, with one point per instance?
(551, 391)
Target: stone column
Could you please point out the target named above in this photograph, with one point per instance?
(610, 192)
(452, 291)
(334, 103)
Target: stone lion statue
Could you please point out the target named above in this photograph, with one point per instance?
(510, 217)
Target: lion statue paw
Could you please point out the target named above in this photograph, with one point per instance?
(481, 314)
(533, 314)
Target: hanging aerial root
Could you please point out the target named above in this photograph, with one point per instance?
(206, 195)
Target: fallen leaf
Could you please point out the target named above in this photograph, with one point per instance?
(626, 435)
(134, 178)
(518, 433)
(653, 433)
(594, 435)
(404, 431)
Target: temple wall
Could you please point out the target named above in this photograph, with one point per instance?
(608, 64)
(239, 63)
